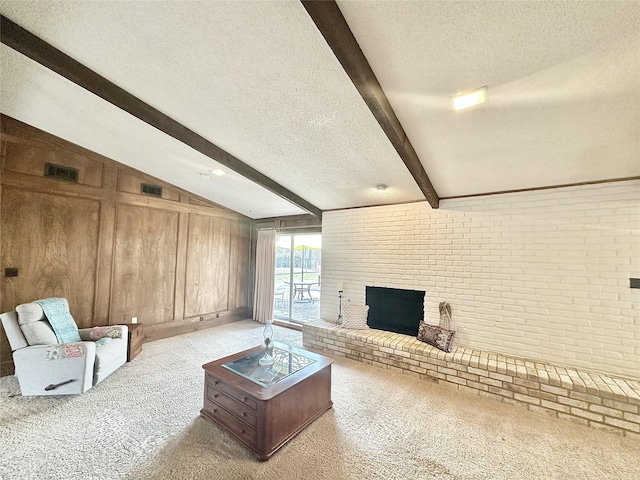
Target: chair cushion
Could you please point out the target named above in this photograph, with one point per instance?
(109, 357)
(29, 313)
(34, 325)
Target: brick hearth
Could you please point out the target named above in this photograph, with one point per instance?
(588, 398)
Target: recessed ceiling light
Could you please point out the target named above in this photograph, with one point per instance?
(469, 99)
(218, 172)
(381, 187)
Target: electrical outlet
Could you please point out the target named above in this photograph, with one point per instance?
(202, 318)
(217, 315)
(134, 319)
(10, 272)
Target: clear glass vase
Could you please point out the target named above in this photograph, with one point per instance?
(267, 358)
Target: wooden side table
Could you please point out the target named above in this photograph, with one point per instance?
(136, 338)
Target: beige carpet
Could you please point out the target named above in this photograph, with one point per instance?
(143, 423)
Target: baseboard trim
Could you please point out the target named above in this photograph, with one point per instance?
(165, 331)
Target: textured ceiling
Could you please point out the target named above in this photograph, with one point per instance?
(563, 78)
(258, 80)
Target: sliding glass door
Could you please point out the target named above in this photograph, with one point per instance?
(298, 275)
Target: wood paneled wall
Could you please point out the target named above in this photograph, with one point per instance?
(53, 241)
(144, 267)
(178, 263)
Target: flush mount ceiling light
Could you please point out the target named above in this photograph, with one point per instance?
(381, 187)
(218, 172)
(469, 99)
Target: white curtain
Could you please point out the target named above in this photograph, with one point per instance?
(265, 270)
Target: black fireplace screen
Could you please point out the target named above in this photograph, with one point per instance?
(395, 310)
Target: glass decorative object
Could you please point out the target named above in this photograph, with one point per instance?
(267, 333)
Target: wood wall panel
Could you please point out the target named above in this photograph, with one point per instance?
(113, 252)
(53, 241)
(207, 273)
(104, 263)
(130, 183)
(29, 159)
(144, 270)
(239, 265)
(199, 275)
(221, 247)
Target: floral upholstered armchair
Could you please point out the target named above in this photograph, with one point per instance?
(52, 356)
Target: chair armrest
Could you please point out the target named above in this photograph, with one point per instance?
(38, 353)
(36, 372)
(85, 333)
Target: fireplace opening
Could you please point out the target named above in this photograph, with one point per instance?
(395, 310)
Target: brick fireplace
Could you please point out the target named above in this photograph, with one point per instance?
(540, 275)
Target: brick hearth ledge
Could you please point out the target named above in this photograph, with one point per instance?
(588, 398)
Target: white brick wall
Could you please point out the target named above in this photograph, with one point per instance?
(542, 274)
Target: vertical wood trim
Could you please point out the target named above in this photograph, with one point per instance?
(112, 240)
(181, 266)
(3, 337)
(233, 270)
(245, 286)
(104, 263)
(233, 266)
(222, 239)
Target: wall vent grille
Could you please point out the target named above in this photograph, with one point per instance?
(61, 172)
(153, 190)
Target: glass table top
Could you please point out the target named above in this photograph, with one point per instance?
(257, 368)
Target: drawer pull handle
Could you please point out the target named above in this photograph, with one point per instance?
(216, 395)
(244, 431)
(215, 410)
(245, 399)
(244, 414)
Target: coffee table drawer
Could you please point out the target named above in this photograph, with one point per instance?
(237, 395)
(245, 433)
(238, 410)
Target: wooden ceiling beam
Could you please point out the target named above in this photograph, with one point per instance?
(36, 49)
(333, 27)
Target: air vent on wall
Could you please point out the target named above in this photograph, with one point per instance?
(153, 190)
(60, 171)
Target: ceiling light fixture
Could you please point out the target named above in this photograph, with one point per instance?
(381, 187)
(218, 172)
(469, 99)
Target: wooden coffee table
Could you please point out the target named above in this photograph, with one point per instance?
(264, 407)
